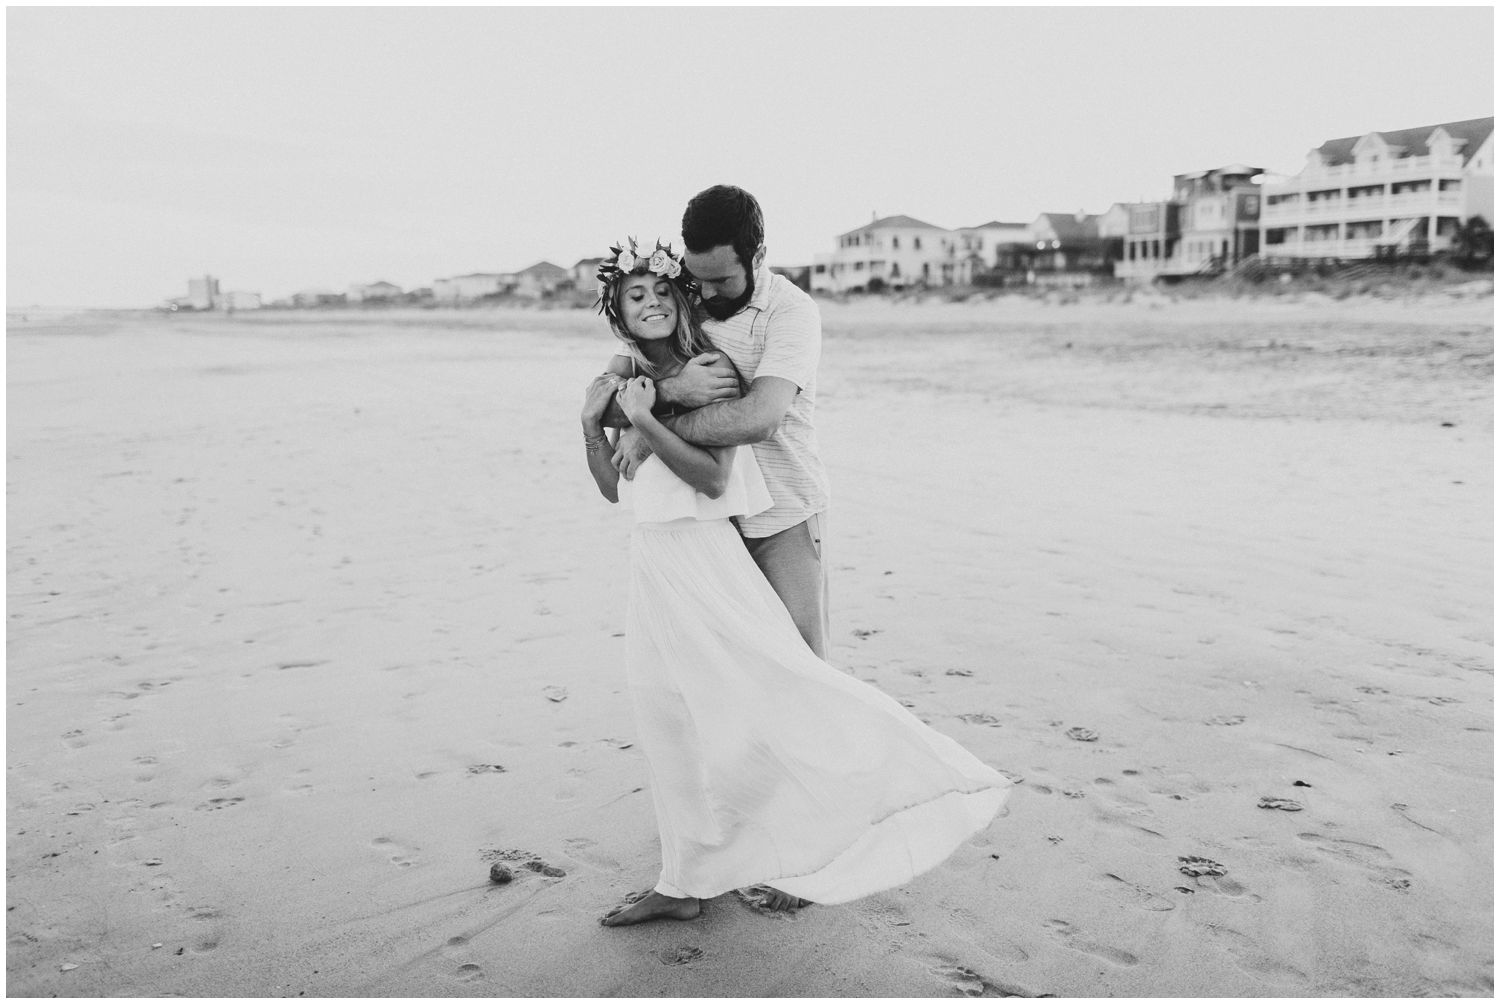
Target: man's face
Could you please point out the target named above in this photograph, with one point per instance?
(724, 282)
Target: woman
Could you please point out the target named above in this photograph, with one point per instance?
(767, 765)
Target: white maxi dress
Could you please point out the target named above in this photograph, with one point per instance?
(767, 766)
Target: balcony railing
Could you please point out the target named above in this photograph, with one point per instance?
(1427, 203)
(1399, 169)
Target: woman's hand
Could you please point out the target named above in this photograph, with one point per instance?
(596, 400)
(636, 399)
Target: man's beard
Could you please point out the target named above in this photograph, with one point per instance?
(721, 309)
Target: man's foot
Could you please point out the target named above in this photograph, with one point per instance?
(763, 897)
(651, 906)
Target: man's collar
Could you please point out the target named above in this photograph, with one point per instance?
(762, 296)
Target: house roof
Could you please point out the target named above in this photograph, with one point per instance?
(587, 261)
(1069, 227)
(1414, 141)
(544, 270)
(994, 224)
(892, 223)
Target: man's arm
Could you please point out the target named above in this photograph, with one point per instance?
(749, 419)
(703, 379)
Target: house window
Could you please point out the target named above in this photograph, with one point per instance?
(895, 242)
(916, 242)
(1450, 185)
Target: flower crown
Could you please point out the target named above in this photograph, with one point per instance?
(625, 259)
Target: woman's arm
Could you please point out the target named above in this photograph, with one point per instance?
(705, 468)
(624, 368)
(598, 448)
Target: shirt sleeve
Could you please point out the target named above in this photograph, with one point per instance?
(794, 341)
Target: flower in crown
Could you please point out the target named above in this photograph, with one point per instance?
(624, 259)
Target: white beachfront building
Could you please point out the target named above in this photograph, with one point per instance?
(992, 245)
(1407, 190)
(374, 292)
(893, 252)
(461, 289)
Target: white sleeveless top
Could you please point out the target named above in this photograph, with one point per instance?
(659, 496)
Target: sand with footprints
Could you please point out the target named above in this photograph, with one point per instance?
(315, 620)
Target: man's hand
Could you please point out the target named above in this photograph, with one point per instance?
(702, 380)
(630, 452)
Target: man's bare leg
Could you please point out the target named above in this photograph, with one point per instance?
(652, 906)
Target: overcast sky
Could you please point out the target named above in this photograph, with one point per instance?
(284, 149)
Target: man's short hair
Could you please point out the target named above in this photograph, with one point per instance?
(723, 215)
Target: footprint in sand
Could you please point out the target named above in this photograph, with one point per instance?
(1209, 874)
(470, 973)
(485, 768)
(1066, 933)
(1140, 895)
(1249, 956)
(400, 855)
(980, 718)
(582, 849)
(1082, 734)
(680, 955)
(965, 982)
(527, 860)
(1374, 859)
(74, 738)
(1284, 804)
(1225, 720)
(214, 804)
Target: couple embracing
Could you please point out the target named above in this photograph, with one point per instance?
(769, 769)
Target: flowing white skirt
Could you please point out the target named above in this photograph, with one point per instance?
(767, 765)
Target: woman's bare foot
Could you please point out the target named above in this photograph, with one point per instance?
(652, 906)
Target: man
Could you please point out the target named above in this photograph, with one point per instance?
(770, 329)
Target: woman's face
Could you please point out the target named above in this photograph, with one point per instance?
(647, 306)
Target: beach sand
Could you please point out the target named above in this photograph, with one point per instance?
(315, 617)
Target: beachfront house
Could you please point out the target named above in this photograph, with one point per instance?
(240, 299)
(203, 294)
(1066, 250)
(459, 290)
(317, 297)
(540, 281)
(1383, 193)
(374, 292)
(1210, 223)
(887, 253)
(585, 274)
(992, 252)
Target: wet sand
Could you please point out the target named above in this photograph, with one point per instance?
(315, 617)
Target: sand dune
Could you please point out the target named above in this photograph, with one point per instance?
(314, 619)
